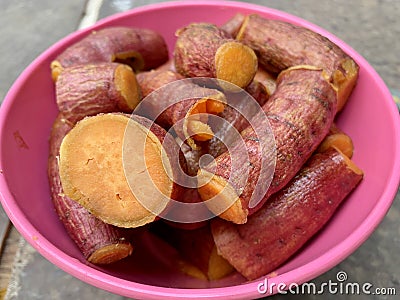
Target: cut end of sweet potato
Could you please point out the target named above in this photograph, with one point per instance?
(235, 63)
(345, 81)
(241, 32)
(340, 141)
(56, 69)
(191, 270)
(126, 84)
(111, 253)
(199, 131)
(197, 117)
(94, 173)
(349, 163)
(218, 267)
(267, 80)
(221, 198)
(131, 58)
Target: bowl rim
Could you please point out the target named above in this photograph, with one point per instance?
(113, 284)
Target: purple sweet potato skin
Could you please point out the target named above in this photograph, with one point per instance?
(299, 113)
(281, 45)
(170, 105)
(196, 47)
(88, 232)
(86, 90)
(166, 104)
(232, 26)
(289, 219)
(152, 80)
(235, 114)
(103, 45)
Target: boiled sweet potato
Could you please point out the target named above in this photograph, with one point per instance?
(204, 50)
(192, 157)
(236, 116)
(336, 138)
(86, 90)
(232, 26)
(266, 79)
(142, 49)
(182, 104)
(290, 218)
(155, 79)
(99, 242)
(125, 192)
(280, 45)
(299, 113)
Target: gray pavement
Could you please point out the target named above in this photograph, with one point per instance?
(371, 27)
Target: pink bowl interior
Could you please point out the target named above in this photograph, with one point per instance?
(29, 109)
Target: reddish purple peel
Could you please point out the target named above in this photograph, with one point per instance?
(290, 218)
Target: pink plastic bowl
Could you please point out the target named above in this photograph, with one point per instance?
(29, 109)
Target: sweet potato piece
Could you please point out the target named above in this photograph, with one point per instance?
(99, 242)
(262, 86)
(266, 79)
(192, 156)
(204, 50)
(142, 49)
(152, 80)
(195, 216)
(290, 218)
(299, 113)
(235, 121)
(86, 90)
(180, 102)
(258, 91)
(232, 26)
(280, 45)
(239, 107)
(336, 138)
(197, 247)
(127, 192)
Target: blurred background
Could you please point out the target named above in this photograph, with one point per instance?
(28, 27)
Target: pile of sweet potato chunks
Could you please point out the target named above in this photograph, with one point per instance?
(299, 79)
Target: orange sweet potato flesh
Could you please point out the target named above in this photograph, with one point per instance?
(86, 90)
(181, 103)
(204, 50)
(280, 45)
(99, 242)
(290, 218)
(92, 168)
(142, 49)
(300, 113)
(336, 138)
